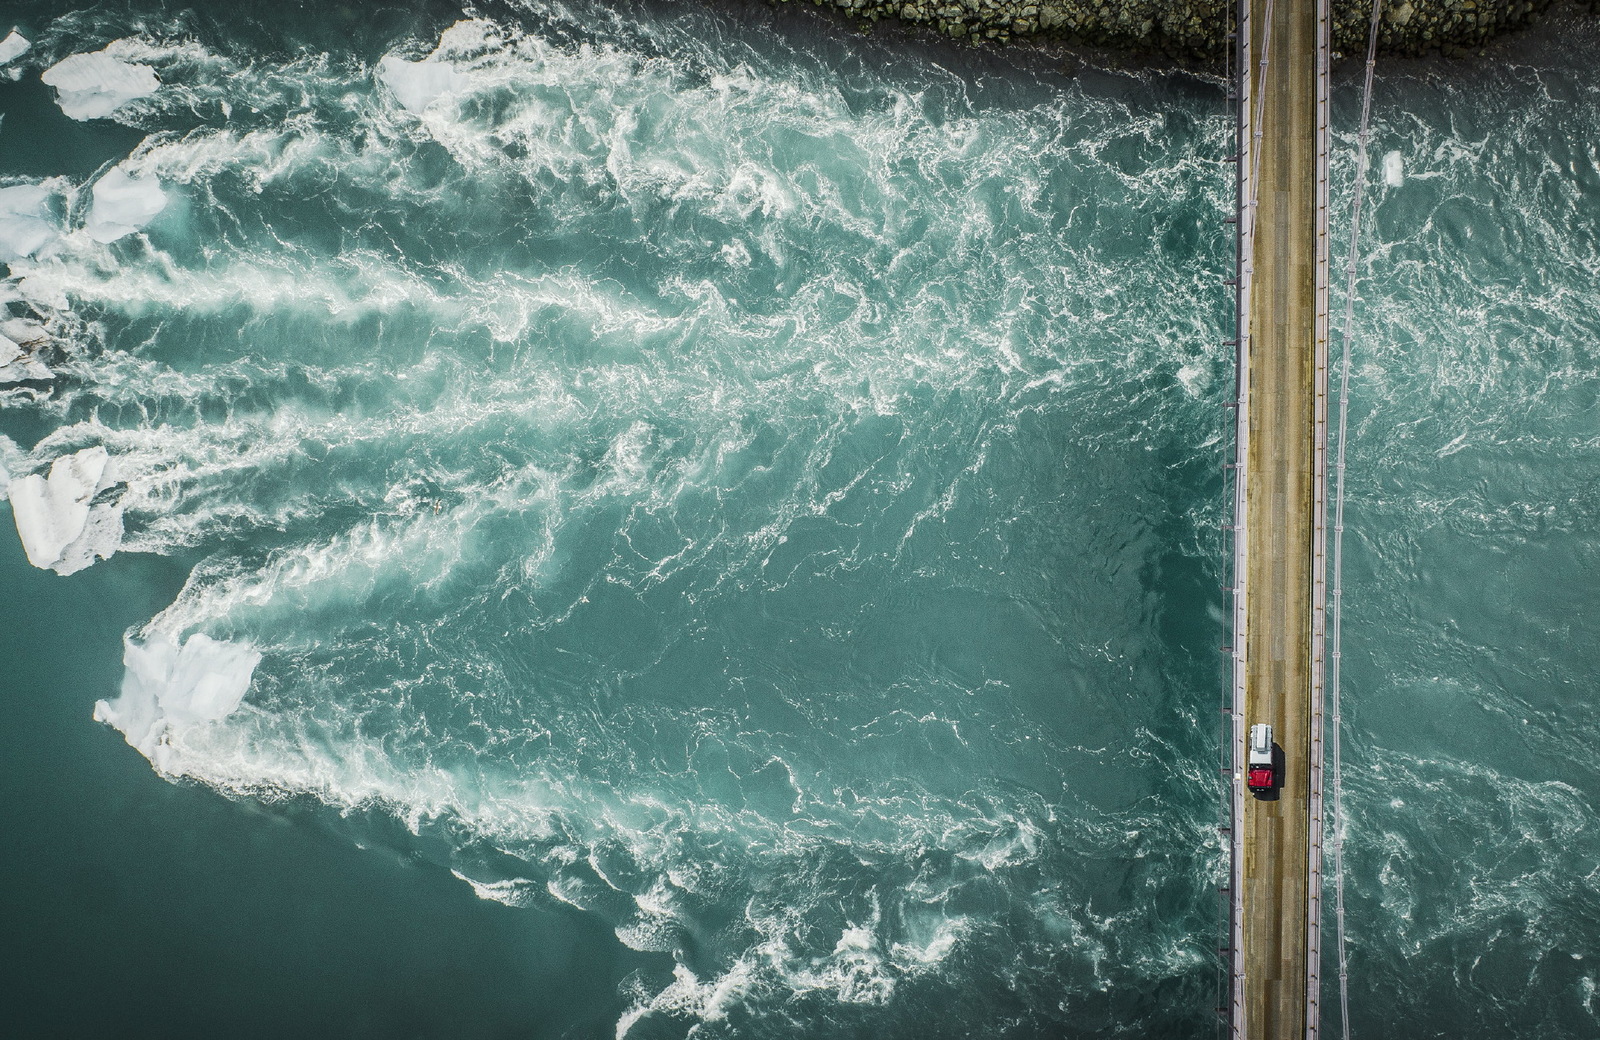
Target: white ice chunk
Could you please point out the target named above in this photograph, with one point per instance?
(52, 513)
(123, 204)
(418, 84)
(167, 689)
(26, 333)
(1393, 171)
(99, 540)
(24, 200)
(22, 236)
(94, 85)
(27, 368)
(14, 46)
(24, 220)
(17, 364)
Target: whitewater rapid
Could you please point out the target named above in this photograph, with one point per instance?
(571, 434)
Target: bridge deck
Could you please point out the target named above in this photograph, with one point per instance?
(1282, 465)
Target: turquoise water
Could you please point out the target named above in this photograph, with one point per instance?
(691, 521)
(1471, 722)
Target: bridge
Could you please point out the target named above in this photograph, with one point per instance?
(1281, 647)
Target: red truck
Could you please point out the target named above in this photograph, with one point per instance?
(1262, 773)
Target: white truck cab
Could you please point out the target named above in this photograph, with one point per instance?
(1258, 760)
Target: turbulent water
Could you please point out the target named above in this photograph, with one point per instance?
(756, 488)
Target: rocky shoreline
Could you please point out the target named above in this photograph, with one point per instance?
(1197, 28)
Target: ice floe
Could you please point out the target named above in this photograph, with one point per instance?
(123, 204)
(94, 85)
(29, 335)
(60, 527)
(167, 689)
(25, 224)
(1393, 170)
(418, 84)
(14, 46)
(17, 364)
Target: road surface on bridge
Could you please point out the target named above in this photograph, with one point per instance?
(1283, 458)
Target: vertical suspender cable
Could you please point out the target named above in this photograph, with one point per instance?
(1338, 515)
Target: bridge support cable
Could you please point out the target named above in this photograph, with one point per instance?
(1338, 520)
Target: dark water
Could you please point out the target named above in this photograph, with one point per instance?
(647, 521)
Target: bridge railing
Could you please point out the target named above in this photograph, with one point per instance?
(1319, 520)
(1247, 156)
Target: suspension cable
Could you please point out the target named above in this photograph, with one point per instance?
(1338, 517)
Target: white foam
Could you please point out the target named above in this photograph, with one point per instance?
(167, 690)
(1192, 377)
(52, 513)
(686, 995)
(470, 37)
(24, 220)
(94, 85)
(43, 291)
(14, 46)
(123, 204)
(418, 84)
(514, 892)
(11, 459)
(1393, 170)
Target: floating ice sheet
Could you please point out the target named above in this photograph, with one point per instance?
(28, 335)
(94, 85)
(1393, 170)
(17, 364)
(418, 84)
(14, 46)
(123, 204)
(24, 221)
(60, 528)
(167, 689)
